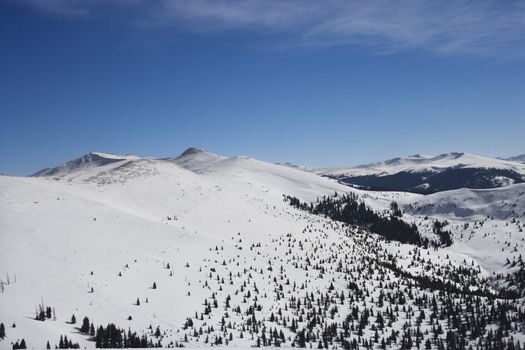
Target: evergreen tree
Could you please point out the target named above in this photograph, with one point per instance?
(85, 325)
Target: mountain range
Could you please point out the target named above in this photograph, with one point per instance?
(202, 250)
(429, 174)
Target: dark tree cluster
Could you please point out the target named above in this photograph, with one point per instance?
(445, 236)
(113, 337)
(515, 279)
(350, 210)
(87, 328)
(20, 345)
(65, 343)
(43, 312)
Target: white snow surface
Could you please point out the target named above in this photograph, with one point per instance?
(473, 204)
(77, 226)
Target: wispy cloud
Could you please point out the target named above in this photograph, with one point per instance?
(475, 27)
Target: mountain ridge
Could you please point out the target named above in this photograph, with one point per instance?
(427, 174)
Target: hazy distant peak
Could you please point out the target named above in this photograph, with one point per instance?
(192, 150)
(519, 158)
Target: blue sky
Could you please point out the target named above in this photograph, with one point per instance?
(330, 83)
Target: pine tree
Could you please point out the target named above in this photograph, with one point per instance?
(85, 325)
(23, 344)
(2, 331)
(48, 346)
(154, 285)
(73, 319)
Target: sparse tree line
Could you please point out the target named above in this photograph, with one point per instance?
(349, 209)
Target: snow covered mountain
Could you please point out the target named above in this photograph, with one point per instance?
(196, 159)
(201, 250)
(427, 174)
(519, 158)
(88, 161)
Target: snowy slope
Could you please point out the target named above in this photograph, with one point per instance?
(137, 212)
(93, 238)
(501, 203)
(486, 224)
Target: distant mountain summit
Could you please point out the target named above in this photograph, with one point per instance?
(519, 158)
(87, 161)
(192, 151)
(196, 159)
(427, 174)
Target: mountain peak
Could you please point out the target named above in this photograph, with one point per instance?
(518, 158)
(196, 159)
(192, 150)
(89, 160)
